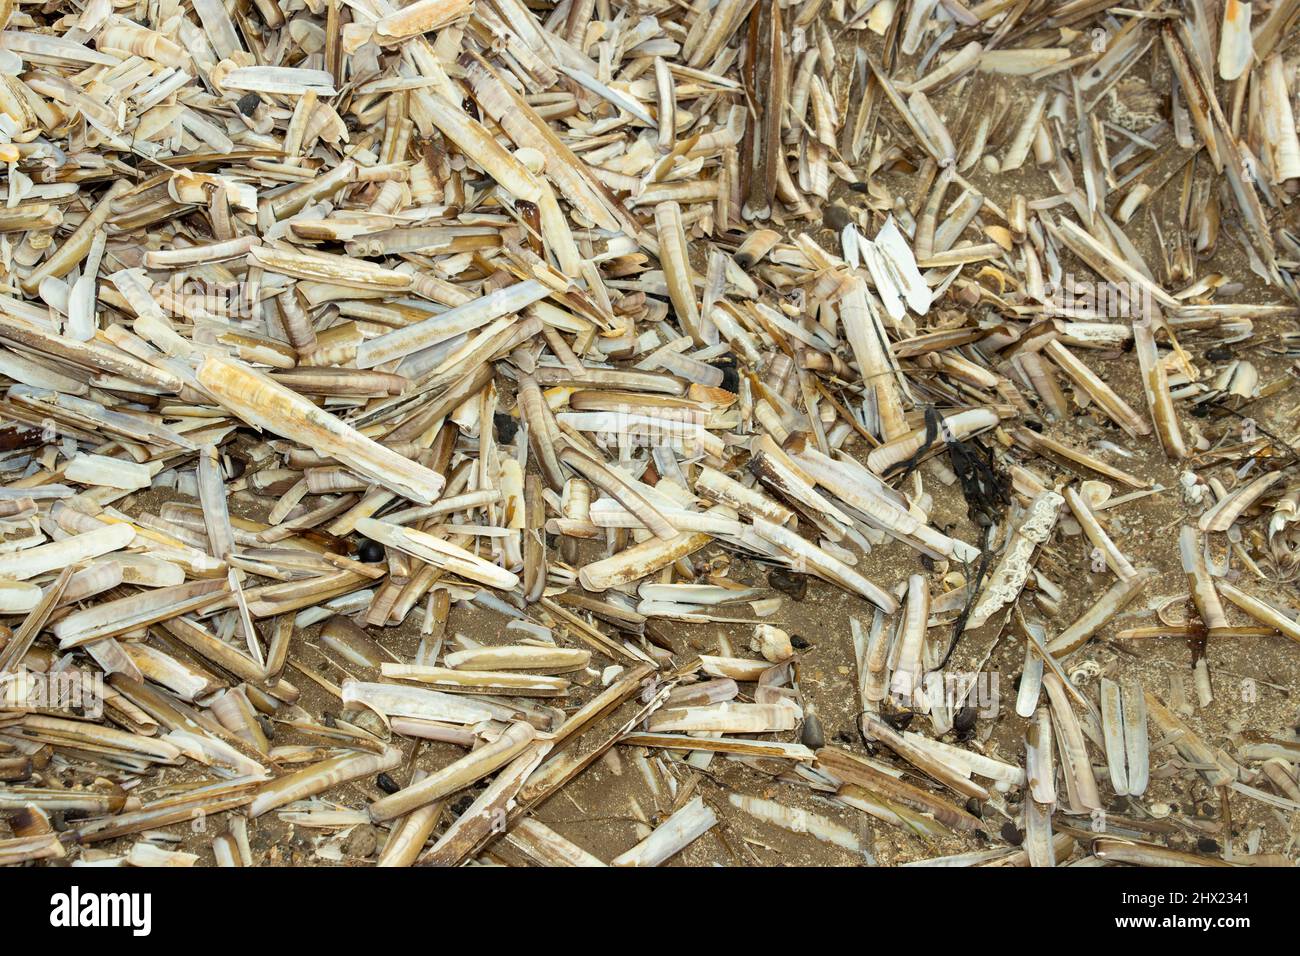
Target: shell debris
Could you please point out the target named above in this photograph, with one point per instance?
(526, 380)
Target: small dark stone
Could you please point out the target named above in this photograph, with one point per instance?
(964, 720)
(1206, 845)
(386, 783)
(1011, 833)
(370, 552)
(730, 377)
(788, 583)
(1220, 353)
(1033, 425)
(248, 102)
(835, 217)
(900, 720)
(798, 643)
(812, 737)
(507, 425)
(267, 725)
(1200, 411)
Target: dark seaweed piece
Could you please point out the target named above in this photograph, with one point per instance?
(984, 489)
(1217, 405)
(932, 421)
(959, 625)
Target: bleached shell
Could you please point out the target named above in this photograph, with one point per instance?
(259, 401)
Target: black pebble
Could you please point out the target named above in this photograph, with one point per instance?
(370, 552)
(248, 102)
(386, 783)
(1219, 353)
(836, 217)
(798, 643)
(1011, 833)
(788, 583)
(812, 736)
(1033, 425)
(1206, 845)
(730, 377)
(507, 426)
(965, 720)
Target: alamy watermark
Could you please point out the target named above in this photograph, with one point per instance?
(681, 429)
(1086, 299)
(234, 300)
(952, 690)
(68, 690)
